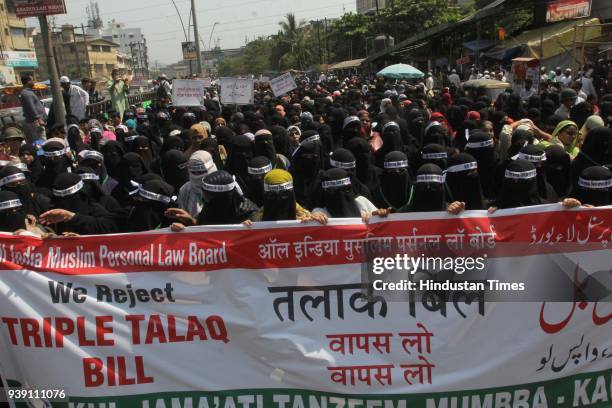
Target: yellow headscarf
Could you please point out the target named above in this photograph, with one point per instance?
(277, 176)
(200, 130)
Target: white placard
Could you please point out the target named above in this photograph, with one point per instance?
(188, 92)
(236, 91)
(207, 82)
(283, 84)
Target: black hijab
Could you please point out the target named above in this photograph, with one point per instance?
(12, 213)
(240, 153)
(396, 181)
(594, 186)
(173, 168)
(14, 180)
(132, 168)
(112, 152)
(520, 186)
(392, 141)
(142, 146)
(281, 140)
(151, 201)
(429, 189)
(434, 154)
(36, 167)
(225, 204)
(279, 200)
(480, 146)
(536, 155)
(595, 151)
(463, 181)
(366, 172)
(264, 146)
(306, 163)
(259, 166)
(338, 194)
(55, 162)
(344, 159)
(557, 168)
(211, 145)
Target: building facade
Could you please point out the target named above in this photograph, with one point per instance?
(370, 6)
(131, 42)
(79, 56)
(16, 54)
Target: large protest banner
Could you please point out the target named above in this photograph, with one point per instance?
(275, 317)
(188, 92)
(236, 91)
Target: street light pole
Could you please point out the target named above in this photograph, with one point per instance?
(196, 37)
(211, 33)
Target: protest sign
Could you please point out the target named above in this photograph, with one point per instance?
(188, 92)
(236, 91)
(189, 50)
(274, 316)
(282, 84)
(207, 82)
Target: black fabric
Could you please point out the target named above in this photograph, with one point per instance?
(346, 156)
(487, 160)
(211, 145)
(53, 165)
(264, 146)
(366, 172)
(93, 190)
(36, 167)
(173, 168)
(172, 142)
(224, 208)
(595, 197)
(254, 189)
(340, 201)
(90, 218)
(142, 146)
(465, 185)
(545, 190)
(305, 170)
(12, 219)
(557, 168)
(518, 193)
(392, 141)
(428, 196)
(240, 153)
(279, 206)
(434, 149)
(595, 151)
(112, 152)
(149, 214)
(281, 140)
(132, 168)
(33, 201)
(396, 184)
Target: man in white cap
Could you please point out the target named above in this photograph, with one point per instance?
(566, 78)
(454, 79)
(79, 98)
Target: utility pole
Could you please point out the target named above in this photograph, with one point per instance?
(59, 109)
(76, 53)
(319, 41)
(196, 37)
(86, 52)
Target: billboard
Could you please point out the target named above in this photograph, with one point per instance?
(189, 50)
(567, 10)
(19, 59)
(35, 8)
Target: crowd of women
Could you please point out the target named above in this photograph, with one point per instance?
(351, 148)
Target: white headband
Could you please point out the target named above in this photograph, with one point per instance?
(390, 124)
(462, 167)
(478, 145)
(11, 178)
(336, 183)
(396, 164)
(175, 132)
(130, 138)
(89, 176)
(342, 165)
(57, 153)
(313, 138)
(198, 166)
(91, 154)
(95, 130)
(522, 175)
(69, 191)
(21, 166)
(219, 188)
(434, 156)
(531, 158)
(260, 170)
(6, 205)
(278, 187)
(430, 178)
(595, 184)
(122, 127)
(149, 195)
(350, 120)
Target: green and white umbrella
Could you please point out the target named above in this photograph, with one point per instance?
(401, 71)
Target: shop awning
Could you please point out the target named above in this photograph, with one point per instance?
(546, 42)
(347, 64)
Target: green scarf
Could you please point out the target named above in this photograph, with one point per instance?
(572, 149)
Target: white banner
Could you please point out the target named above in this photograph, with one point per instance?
(236, 91)
(283, 84)
(188, 92)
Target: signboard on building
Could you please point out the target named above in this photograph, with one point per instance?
(34, 8)
(524, 69)
(19, 59)
(567, 10)
(463, 60)
(187, 92)
(189, 50)
(236, 91)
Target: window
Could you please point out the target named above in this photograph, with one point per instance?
(106, 48)
(95, 48)
(6, 31)
(115, 36)
(131, 35)
(18, 32)
(110, 67)
(71, 48)
(99, 67)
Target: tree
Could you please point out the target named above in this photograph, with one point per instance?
(294, 43)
